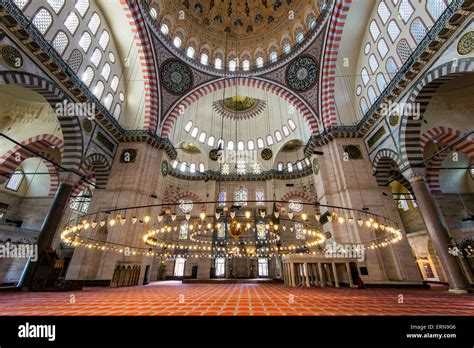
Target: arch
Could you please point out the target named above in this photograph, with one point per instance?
(96, 168)
(422, 92)
(215, 85)
(387, 165)
(70, 126)
(328, 77)
(446, 136)
(297, 194)
(187, 194)
(10, 161)
(145, 50)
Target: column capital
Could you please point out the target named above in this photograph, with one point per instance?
(415, 175)
(68, 178)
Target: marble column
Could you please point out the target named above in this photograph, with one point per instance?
(336, 278)
(49, 227)
(292, 274)
(306, 274)
(438, 231)
(349, 275)
(322, 279)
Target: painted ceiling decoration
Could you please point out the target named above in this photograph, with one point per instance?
(176, 77)
(239, 108)
(302, 74)
(190, 148)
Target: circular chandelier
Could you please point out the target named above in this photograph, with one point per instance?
(233, 230)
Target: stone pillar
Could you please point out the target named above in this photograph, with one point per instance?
(49, 227)
(349, 275)
(292, 274)
(336, 278)
(306, 274)
(438, 231)
(322, 279)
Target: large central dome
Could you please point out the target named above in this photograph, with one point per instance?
(249, 32)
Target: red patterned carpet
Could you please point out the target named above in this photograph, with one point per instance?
(174, 298)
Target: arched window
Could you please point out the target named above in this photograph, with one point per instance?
(280, 167)
(241, 168)
(71, 23)
(60, 42)
(177, 42)
(104, 40)
(312, 23)
(183, 230)
(259, 196)
(201, 167)
(204, 59)
(241, 196)
(232, 65)
(192, 168)
(259, 62)
(256, 168)
(240, 146)
(278, 136)
(374, 30)
(299, 37)
(363, 105)
(194, 132)
(202, 137)
(250, 145)
(260, 143)
(190, 52)
(299, 165)
(210, 141)
(108, 101)
(381, 83)
(164, 29)
(96, 57)
(82, 6)
(230, 145)
(365, 76)
(273, 57)
(403, 50)
(218, 63)
(117, 111)
(292, 124)
(285, 130)
(15, 181)
(373, 63)
(114, 85)
(246, 64)
(393, 30)
(383, 12)
(287, 48)
(435, 8)
(88, 76)
(188, 126)
(418, 30)
(153, 13)
(183, 166)
(42, 20)
(391, 67)
(94, 23)
(99, 89)
(372, 95)
(269, 140)
(222, 197)
(174, 164)
(106, 71)
(85, 41)
(290, 167)
(382, 48)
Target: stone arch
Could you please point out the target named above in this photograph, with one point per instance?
(307, 198)
(386, 164)
(71, 127)
(39, 144)
(308, 114)
(424, 90)
(96, 169)
(446, 136)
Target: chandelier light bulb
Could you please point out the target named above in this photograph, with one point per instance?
(290, 215)
(330, 217)
(276, 213)
(340, 219)
(94, 224)
(376, 225)
(262, 213)
(112, 222)
(134, 220)
(160, 218)
(360, 222)
(218, 215)
(304, 216)
(351, 220)
(318, 217)
(187, 216)
(247, 214)
(102, 223)
(232, 214)
(202, 215)
(146, 219)
(123, 221)
(368, 223)
(173, 217)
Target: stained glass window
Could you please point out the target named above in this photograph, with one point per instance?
(183, 230)
(261, 230)
(221, 230)
(259, 196)
(241, 196)
(222, 197)
(299, 231)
